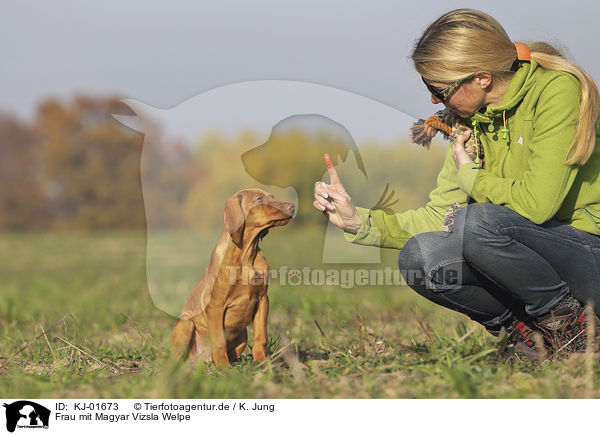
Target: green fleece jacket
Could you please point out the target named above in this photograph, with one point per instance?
(524, 167)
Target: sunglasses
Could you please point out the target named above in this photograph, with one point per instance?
(445, 93)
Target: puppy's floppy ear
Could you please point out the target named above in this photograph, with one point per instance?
(234, 219)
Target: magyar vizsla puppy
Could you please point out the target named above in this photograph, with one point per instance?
(232, 292)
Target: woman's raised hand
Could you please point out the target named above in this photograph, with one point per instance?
(335, 203)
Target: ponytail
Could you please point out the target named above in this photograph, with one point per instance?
(583, 143)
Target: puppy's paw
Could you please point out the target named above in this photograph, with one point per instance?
(220, 360)
(223, 364)
(259, 355)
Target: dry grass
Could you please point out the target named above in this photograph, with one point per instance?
(63, 335)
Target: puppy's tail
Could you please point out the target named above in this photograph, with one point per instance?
(181, 338)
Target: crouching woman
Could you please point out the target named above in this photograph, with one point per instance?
(511, 233)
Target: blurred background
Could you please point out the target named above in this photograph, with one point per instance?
(68, 165)
(75, 158)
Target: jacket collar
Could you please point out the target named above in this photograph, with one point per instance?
(518, 87)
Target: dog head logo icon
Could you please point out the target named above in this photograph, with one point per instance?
(266, 108)
(26, 414)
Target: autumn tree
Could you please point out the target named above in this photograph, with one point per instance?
(22, 200)
(90, 165)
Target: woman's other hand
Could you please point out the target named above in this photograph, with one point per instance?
(459, 154)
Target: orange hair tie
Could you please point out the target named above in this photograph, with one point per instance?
(522, 51)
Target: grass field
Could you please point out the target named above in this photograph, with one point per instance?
(325, 341)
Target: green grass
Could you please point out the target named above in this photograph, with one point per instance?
(325, 341)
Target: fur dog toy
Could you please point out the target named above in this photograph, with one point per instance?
(451, 126)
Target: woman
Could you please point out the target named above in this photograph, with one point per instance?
(524, 250)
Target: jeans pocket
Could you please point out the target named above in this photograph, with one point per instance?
(447, 275)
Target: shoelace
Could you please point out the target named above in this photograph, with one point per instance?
(525, 333)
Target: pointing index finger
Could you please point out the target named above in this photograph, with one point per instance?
(333, 175)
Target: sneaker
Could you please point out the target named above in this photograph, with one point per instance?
(521, 344)
(563, 328)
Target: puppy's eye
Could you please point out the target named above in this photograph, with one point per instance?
(259, 199)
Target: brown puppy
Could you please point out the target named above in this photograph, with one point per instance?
(232, 292)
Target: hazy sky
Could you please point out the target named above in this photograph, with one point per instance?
(163, 53)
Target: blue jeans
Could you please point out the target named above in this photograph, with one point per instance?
(497, 266)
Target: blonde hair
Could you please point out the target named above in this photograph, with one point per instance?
(465, 41)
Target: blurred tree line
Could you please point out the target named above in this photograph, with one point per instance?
(76, 168)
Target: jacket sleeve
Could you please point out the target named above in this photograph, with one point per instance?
(539, 193)
(393, 231)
